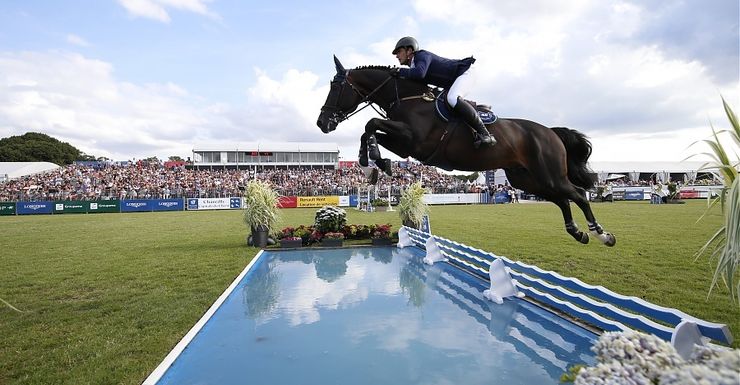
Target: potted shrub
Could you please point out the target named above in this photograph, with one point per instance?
(381, 235)
(411, 207)
(261, 212)
(332, 240)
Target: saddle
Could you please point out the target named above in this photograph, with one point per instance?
(444, 111)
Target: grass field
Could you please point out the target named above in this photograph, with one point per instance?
(106, 296)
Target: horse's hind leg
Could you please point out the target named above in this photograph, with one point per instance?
(522, 179)
(579, 198)
(570, 225)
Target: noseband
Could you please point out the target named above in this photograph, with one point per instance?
(336, 115)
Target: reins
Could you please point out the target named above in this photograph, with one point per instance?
(340, 116)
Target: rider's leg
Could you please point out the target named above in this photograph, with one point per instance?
(465, 110)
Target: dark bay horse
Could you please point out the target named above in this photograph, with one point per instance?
(547, 162)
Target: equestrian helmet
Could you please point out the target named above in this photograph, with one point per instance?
(407, 41)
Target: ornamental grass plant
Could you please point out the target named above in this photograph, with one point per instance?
(261, 206)
(724, 245)
(411, 206)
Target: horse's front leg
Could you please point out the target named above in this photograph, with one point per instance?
(393, 135)
(371, 145)
(362, 158)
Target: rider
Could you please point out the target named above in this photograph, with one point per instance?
(441, 72)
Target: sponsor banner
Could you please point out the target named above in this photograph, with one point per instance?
(131, 205)
(687, 194)
(66, 207)
(353, 201)
(502, 197)
(111, 206)
(344, 201)
(34, 207)
(634, 195)
(214, 203)
(192, 204)
(168, 205)
(287, 202)
(7, 208)
(318, 201)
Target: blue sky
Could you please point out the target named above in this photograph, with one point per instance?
(136, 78)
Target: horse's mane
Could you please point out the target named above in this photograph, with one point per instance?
(374, 67)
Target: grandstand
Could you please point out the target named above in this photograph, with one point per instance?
(260, 155)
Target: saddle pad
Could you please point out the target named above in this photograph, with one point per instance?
(445, 112)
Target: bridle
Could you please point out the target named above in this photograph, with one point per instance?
(336, 115)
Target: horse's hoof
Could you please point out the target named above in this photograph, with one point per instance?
(584, 238)
(385, 165)
(611, 240)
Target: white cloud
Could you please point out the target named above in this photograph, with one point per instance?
(78, 100)
(157, 9)
(76, 40)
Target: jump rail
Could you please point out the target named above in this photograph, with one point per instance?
(595, 305)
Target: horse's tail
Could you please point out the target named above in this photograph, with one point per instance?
(578, 148)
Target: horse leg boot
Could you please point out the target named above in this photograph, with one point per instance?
(362, 157)
(374, 153)
(470, 115)
(372, 147)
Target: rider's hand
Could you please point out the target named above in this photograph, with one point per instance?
(394, 72)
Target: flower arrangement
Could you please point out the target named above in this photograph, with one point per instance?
(311, 235)
(637, 358)
(381, 231)
(330, 219)
(334, 236)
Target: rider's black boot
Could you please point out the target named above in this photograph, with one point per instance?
(468, 113)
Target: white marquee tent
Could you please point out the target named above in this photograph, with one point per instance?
(13, 170)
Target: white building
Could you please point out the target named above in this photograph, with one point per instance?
(258, 155)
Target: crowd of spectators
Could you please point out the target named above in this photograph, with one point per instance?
(144, 180)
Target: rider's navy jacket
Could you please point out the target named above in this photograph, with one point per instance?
(434, 69)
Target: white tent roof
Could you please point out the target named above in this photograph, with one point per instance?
(646, 167)
(269, 146)
(18, 169)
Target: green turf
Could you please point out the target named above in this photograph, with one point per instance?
(106, 296)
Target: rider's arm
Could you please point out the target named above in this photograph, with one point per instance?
(422, 59)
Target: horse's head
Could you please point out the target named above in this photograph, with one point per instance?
(342, 100)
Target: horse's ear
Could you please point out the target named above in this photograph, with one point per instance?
(340, 67)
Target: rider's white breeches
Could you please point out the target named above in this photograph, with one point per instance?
(460, 87)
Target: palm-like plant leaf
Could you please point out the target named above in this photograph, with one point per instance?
(724, 245)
